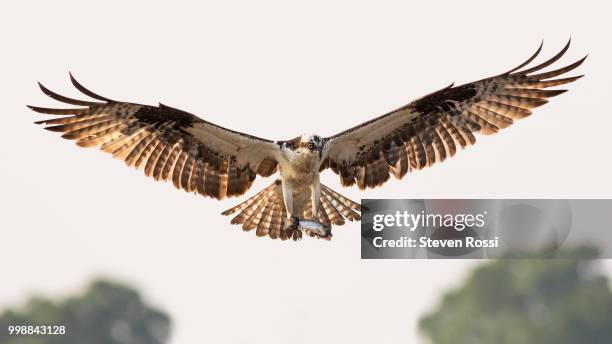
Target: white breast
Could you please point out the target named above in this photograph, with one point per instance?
(298, 168)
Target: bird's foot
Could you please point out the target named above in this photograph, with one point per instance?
(326, 235)
(294, 223)
(292, 230)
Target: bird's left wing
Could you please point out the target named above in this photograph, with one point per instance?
(198, 156)
(431, 128)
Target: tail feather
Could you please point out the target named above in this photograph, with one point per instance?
(263, 227)
(324, 218)
(253, 220)
(276, 221)
(329, 196)
(249, 201)
(335, 217)
(347, 202)
(266, 211)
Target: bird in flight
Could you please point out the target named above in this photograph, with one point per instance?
(201, 157)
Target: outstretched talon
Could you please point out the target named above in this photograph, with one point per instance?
(295, 223)
(292, 230)
(328, 235)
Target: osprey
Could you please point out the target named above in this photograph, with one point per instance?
(204, 158)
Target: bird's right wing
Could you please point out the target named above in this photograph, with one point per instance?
(198, 156)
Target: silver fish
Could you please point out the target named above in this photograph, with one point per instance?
(313, 227)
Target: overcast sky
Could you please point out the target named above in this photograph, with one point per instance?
(275, 69)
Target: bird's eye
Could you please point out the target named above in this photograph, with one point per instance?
(310, 145)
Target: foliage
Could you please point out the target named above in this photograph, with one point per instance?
(561, 300)
(107, 313)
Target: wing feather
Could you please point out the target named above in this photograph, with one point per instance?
(167, 143)
(432, 128)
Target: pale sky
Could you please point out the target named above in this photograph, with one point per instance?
(275, 69)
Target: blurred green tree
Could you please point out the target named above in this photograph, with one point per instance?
(107, 313)
(561, 300)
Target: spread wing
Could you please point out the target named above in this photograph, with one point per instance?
(167, 143)
(432, 128)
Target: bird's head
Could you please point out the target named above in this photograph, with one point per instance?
(307, 144)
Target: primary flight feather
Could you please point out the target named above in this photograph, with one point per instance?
(199, 156)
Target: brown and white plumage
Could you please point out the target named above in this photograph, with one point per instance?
(266, 213)
(201, 157)
(167, 143)
(432, 128)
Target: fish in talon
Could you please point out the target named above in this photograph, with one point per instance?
(313, 226)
